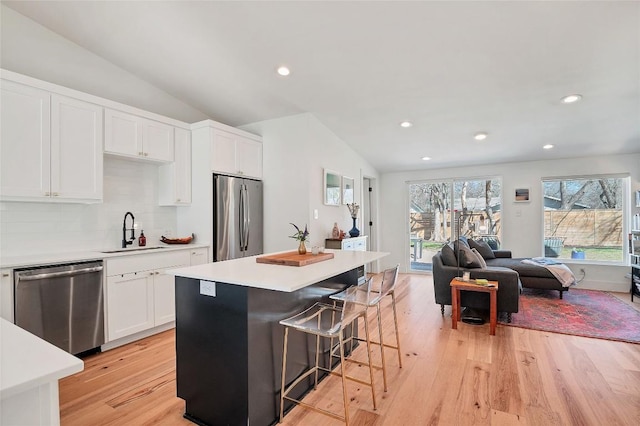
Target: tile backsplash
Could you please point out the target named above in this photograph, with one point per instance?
(29, 228)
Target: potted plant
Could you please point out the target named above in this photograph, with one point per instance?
(577, 253)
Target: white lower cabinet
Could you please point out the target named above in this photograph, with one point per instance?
(140, 295)
(6, 294)
(130, 304)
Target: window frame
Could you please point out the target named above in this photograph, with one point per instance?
(625, 209)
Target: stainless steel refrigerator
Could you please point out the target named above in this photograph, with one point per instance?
(237, 217)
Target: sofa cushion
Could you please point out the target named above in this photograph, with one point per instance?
(467, 258)
(448, 255)
(523, 269)
(481, 261)
(483, 248)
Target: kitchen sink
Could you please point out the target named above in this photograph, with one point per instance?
(133, 249)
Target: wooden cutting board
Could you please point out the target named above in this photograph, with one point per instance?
(292, 258)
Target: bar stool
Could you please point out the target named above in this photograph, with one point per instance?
(370, 297)
(319, 320)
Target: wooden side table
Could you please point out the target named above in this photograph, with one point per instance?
(491, 288)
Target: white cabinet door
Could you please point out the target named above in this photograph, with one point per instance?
(175, 178)
(249, 157)
(76, 149)
(25, 141)
(199, 256)
(133, 136)
(157, 140)
(122, 133)
(6, 294)
(164, 297)
(129, 304)
(223, 152)
(236, 155)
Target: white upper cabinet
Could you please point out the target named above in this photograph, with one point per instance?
(133, 136)
(175, 178)
(25, 144)
(76, 149)
(236, 155)
(51, 146)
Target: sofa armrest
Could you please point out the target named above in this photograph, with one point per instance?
(502, 253)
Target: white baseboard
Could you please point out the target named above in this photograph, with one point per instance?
(621, 287)
(137, 336)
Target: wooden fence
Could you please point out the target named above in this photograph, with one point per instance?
(585, 228)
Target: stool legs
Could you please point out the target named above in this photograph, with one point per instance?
(384, 363)
(284, 369)
(395, 321)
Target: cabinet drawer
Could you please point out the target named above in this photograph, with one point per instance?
(360, 245)
(144, 262)
(347, 245)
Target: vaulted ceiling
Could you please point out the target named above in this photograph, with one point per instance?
(451, 68)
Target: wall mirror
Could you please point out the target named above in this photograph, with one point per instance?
(332, 188)
(347, 190)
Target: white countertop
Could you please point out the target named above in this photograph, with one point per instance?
(81, 256)
(26, 361)
(247, 272)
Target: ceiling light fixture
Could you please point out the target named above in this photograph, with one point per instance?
(547, 146)
(406, 124)
(571, 99)
(284, 71)
(480, 136)
(426, 158)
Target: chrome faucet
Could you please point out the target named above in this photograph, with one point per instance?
(125, 243)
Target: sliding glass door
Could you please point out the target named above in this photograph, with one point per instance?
(440, 211)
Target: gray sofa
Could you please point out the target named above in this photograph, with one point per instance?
(509, 286)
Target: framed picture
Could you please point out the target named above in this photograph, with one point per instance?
(332, 188)
(637, 198)
(522, 195)
(347, 190)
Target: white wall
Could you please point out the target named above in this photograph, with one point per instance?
(28, 228)
(29, 48)
(296, 150)
(522, 227)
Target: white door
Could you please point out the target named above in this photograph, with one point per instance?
(223, 153)
(25, 141)
(157, 140)
(249, 157)
(164, 297)
(183, 166)
(129, 304)
(122, 133)
(76, 149)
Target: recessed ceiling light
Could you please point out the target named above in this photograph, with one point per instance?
(480, 136)
(571, 99)
(284, 71)
(547, 146)
(426, 158)
(406, 124)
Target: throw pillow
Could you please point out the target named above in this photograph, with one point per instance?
(448, 255)
(483, 248)
(467, 258)
(483, 264)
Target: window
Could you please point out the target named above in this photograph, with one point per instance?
(433, 221)
(584, 217)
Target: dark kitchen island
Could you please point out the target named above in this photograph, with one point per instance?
(228, 336)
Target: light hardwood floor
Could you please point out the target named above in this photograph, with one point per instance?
(449, 377)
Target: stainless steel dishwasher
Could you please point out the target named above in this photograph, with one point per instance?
(62, 304)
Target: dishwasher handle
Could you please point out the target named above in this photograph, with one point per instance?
(59, 274)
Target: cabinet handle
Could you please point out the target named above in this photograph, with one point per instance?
(240, 172)
(5, 275)
(178, 200)
(140, 153)
(55, 194)
(151, 273)
(146, 154)
(47, 194)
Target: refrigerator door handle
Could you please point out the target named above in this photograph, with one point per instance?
(247, 217)
(241, 221)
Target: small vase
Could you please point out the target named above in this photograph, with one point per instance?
(354, 232)
(302, 249)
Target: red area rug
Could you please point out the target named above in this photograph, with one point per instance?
(586, 313)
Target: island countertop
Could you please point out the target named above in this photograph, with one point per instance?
(247, 272)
